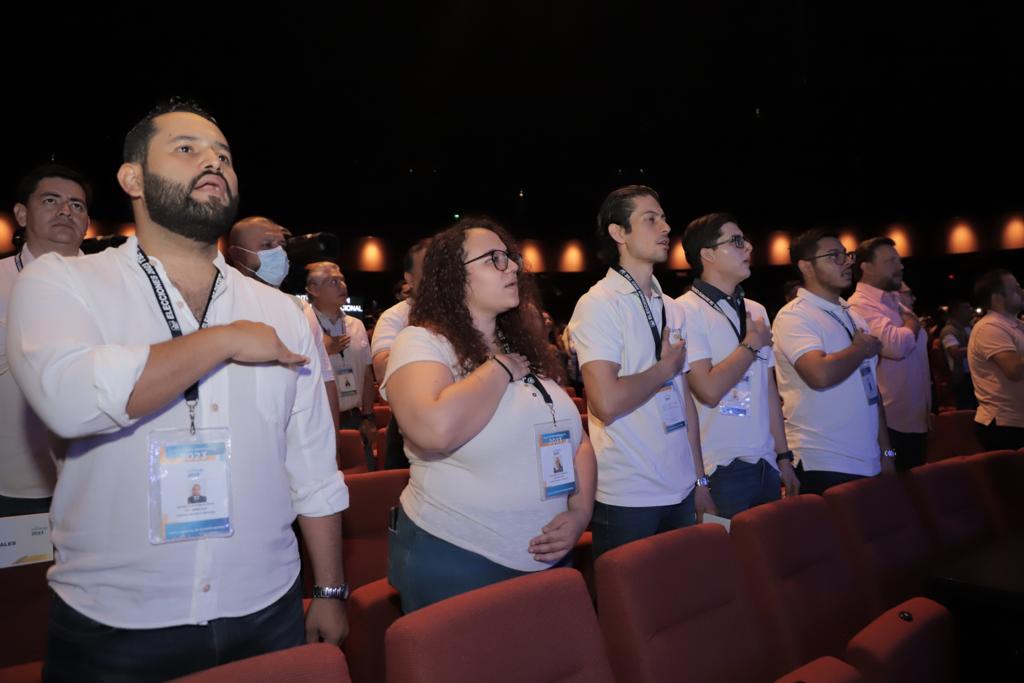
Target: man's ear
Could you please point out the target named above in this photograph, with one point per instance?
(617, 232)
(129, 177)
(21, 215)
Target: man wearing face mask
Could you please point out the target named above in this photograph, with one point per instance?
(256, 248)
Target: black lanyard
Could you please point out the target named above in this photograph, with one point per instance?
(842, 324)
(164, 301)
(655, 332)
(535, 382)
(17, 262)
(741, 313)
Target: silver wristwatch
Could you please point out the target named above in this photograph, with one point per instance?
(333, 592)
(703, 481)
(889, 453)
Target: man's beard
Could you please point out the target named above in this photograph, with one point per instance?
(171, 206)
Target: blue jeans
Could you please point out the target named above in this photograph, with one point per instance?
(615, 525)
(80, 649)
(741, 485)
(425, 569)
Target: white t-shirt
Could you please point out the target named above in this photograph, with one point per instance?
(724, 435)
(638, 463)
(485, 496)
(834, 429)
(349, 367)
(390, 323)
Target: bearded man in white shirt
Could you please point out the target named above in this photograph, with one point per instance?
(160, 380)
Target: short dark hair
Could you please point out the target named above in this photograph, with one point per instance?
(866, 251)
(805, 245)
(29, 183)
(616, 208)
(416, 248)
(989, 284)
(702, 233)
(136, 142)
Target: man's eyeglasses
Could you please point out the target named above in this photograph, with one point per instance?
(738, 241)
(499, 258)
(836, 256)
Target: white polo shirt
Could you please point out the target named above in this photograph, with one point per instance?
(349, 367)
(725, 435)
(834, 429)
(638, 464)
(390, 323)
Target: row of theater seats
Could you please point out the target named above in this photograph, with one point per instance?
(814, 570)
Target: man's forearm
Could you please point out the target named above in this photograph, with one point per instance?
(175, 365)
(612, 397)
(322, 536)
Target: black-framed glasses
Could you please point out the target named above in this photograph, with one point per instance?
(738, 241)
(836, 256)
(499, 258)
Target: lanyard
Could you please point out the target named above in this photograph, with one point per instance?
(647, 311)
(162, 300)
(535, 382)
(741, 313)
(842, 324)
(17, 262)
(329, 333)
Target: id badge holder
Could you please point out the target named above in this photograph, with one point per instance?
(670, 406)
(189, 484)
(347, 379)
(870, 385)
(555, 459)
(737, 401)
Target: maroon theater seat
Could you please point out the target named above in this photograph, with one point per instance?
(315, 663)
(364, 525)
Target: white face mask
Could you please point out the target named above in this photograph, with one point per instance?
(273, 265)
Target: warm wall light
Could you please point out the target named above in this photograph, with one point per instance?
(371, 255)
(848, 238)
(677, 256)
(778, 249)
(93, 230)
(962, 239)
(533, 257)
(899, 235)
(572, 260)
(6, 232)
(126, 229)
(1013, 234)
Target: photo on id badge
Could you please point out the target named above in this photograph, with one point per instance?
(555, 459)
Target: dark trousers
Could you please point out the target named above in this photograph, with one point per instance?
(80, 649)
(996, 438)
(911, 449)
(614, 525)
(819, 481)
(12, 507)
(741, 485)
(963, 392)
(394, 450)
(353, 419)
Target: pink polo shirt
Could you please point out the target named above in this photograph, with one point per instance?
(904, 379)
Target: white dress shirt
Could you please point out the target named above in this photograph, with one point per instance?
(79, 374)
(27, 449)
(348, 368)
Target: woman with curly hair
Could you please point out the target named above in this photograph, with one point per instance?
(502, 476)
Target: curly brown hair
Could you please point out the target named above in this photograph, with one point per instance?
(440, 304)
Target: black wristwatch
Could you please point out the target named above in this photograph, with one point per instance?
(787, 456)
(331, 592)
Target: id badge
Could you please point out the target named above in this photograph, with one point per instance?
(189, 485)
(870, 385)
(737, 401)
(555, 456)
(347, 379)
(670, 406)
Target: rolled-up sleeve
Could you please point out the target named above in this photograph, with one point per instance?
(317, 487)
(898, 342)
(76, 382)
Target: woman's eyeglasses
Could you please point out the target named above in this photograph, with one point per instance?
(499, 258)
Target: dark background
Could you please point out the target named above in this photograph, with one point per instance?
(387, 119)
